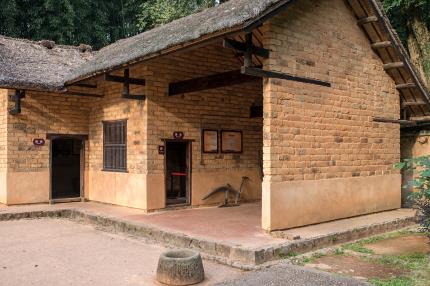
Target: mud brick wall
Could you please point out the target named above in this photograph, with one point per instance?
(42, 113)
(3, 129)
(3, 145)
(112, 107)
(313, 132)
(223, 108)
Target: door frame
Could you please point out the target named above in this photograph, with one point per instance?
(83, 137)
(189, 143)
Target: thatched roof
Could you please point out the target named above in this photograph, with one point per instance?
(29, 65)
(232, 15)
(38, 65)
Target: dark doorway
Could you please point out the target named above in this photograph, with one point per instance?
(66, 168)
(178, 172)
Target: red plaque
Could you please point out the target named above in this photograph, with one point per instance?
(161, 149)
(38, 142)
(178, 135)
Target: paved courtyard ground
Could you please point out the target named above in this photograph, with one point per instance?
(61, 252)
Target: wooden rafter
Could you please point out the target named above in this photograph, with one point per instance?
(412, 103)
(386, 45)
(381, 45)
(406, 85)
(77, 93)
(241, 47)
(121, 79)
(126, 88)
(394, 65)
(257, 72)
(85, 85)
(367, 20)
(210, 82)
(395, 121)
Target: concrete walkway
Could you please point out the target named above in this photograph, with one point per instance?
(230, 235)
(289, 275)
(62, 253)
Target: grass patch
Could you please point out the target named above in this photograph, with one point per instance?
(339, 251)
(411, 262)
(418, 264)
(309, 259)
(359, 246)
(403, 281)
(287, 255)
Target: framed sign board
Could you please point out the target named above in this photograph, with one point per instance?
(231, 141)
(210, 141)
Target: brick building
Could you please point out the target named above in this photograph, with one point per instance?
(305, 98)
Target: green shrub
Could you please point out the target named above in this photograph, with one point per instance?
(421, 183)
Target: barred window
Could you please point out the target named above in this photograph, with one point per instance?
(115, 145)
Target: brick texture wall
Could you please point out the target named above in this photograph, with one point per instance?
(223, 108)
(113, 107)
(3, 129)
(313, 132)
(42, 113)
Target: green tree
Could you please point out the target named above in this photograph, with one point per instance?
(411, 18)
(157, 12)
(8, 14)
(56, 21)
(421, 184)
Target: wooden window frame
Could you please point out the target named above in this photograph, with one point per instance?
(112, 167)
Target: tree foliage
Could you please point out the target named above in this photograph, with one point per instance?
(71, 22)
(94, 22)
(421, 184)
(411, 18)
(156, 12)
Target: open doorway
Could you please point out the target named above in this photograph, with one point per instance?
(178, 173)
(66, 180)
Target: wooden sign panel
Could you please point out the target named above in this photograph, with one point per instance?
(210, 141)
(231, 141)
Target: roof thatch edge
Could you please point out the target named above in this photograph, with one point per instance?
(246, 26)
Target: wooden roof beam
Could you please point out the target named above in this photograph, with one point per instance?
(258, 72)
(134, 81)
(406, 85)
(241, 47)
(412, 103)
(395, 121)
(421, 118)
(367, 20)
(126, 88)
(394, 65)
(210, 82)
(83, 94)
(85, 85)
(381, 45)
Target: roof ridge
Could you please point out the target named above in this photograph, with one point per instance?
(39, 43)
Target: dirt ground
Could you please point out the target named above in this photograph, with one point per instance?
(38, 252)
(401, 245)
(356, 267)
(396, 259)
